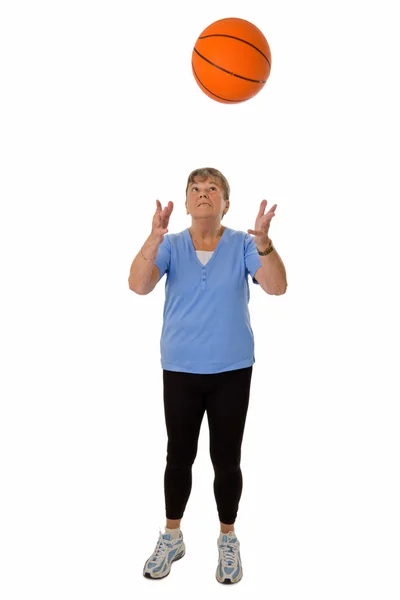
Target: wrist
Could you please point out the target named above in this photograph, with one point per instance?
(151, 244)
(264, 246)
(149, 249)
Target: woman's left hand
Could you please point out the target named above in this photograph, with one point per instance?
(263, 222)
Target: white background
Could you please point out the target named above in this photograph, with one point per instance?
(100, 116)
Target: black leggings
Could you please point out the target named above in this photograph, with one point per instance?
(225, 397)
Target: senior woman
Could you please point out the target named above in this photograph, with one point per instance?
(207, 351)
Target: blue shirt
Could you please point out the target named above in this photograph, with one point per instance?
(206, 324)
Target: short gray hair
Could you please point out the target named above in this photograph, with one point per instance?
(207, 172)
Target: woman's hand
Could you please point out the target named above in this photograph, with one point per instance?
(261, 227)
(160, 221)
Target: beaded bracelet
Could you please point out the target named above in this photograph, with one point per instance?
(147, 258)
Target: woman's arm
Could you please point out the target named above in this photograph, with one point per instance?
(142, 267)
(272, 274)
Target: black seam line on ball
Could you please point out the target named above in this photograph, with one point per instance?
(206, 88)
(229, 72)
(203, 37)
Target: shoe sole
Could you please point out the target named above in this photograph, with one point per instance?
(180, 555)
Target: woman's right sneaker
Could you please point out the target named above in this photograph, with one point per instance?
(166, 551)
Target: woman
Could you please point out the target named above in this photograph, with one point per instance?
(207, 351)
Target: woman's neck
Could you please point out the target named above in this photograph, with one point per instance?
(205, 235)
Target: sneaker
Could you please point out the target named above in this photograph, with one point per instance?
(166, 551)
(229, 568)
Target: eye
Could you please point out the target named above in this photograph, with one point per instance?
(194, 188)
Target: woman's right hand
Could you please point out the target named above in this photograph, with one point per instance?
(160, 222)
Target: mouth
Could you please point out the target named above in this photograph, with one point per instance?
(204, 204)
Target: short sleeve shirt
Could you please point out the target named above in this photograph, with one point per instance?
(206, 321)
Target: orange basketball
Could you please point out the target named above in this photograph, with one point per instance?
(231, 60)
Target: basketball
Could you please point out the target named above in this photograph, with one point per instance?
(231, 60)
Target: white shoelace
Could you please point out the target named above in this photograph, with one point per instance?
(229, 552)
(160, 549)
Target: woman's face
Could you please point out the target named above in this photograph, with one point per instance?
(205, 198)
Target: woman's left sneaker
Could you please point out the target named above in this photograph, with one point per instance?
(229, 568)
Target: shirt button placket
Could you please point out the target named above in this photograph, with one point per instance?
(203, 279)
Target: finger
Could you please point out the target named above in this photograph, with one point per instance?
(262, 208)
(166, 209)
(267, 219)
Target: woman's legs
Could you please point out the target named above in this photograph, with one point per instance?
(227, 405)
(225, 396)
